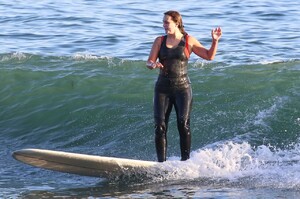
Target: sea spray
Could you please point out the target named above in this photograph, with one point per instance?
(235, 163)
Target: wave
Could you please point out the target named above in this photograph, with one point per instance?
(83, 100)
(16, 57)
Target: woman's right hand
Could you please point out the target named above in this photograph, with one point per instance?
(152, 65)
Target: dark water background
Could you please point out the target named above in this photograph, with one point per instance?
(73, 78)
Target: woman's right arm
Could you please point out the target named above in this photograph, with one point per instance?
(151, 62)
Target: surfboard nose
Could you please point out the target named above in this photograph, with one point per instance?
(16, 154)
(25, 155)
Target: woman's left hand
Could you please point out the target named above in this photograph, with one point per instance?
(216, 34)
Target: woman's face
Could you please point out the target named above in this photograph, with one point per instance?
(169, 25)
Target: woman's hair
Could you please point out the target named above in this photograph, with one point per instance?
(176, 17)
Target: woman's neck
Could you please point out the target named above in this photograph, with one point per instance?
(176, 35)
(173, 39)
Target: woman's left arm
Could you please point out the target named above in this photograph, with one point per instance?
(201, 51)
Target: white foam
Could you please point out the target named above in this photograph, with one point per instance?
(15, 55)
(85, 56)
(239, 162)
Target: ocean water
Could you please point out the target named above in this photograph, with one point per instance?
(73, 78)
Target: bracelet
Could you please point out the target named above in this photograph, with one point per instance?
(150, 64)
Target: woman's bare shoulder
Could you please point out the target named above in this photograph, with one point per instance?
(192, 39)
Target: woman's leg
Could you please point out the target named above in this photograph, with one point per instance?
(183, 106)
(162, 110)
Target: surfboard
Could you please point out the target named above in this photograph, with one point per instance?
(82, 164)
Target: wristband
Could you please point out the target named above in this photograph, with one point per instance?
(150, 64)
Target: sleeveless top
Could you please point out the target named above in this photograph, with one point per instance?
(175, 62)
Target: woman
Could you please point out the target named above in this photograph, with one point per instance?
(173, 85)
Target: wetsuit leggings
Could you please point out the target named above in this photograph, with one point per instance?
(164, 100)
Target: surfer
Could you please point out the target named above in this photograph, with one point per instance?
(173, 87)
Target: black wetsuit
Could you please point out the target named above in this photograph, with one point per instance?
(173, 88)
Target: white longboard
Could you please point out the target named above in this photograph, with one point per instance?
(81, 164)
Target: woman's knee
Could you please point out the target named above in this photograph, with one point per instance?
(184, 126)
(160, 128)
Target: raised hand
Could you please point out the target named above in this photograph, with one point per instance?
(216, 34)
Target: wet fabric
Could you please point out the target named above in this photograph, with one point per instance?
(172, 89)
